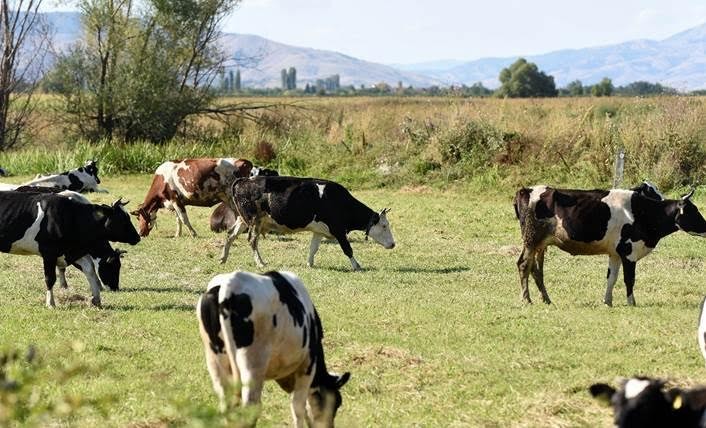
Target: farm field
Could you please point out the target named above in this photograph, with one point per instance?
(433, 331)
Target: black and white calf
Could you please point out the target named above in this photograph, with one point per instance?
(293, 204)
(643, 402)
(259, 327)
(624, 224)
(82, 179)
(62, 231)
(106, 260)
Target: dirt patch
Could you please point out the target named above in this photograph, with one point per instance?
(386, 355)
(510, 250)
(416, 189)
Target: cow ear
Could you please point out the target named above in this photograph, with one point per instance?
(136, 213)
(602, 392)
(120, 252)
(342, 380)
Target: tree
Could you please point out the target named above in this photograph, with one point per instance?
(237, 80)
(141, 71)
(575, 88)
(292, 78)
(523, 79)
(23, 43)
(602, 89)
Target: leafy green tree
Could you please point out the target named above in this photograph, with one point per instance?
(604, 88)
(575, 88)
(141, 71)
(523, 79)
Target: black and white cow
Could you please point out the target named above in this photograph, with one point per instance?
(293, 204)
(623, 224)
(62, 231)
(259, 327)
(82, 179)
(643, 402)
(106, 260)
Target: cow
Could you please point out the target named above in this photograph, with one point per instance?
(623, 224)
(643, 402)
(262, 327)
(197, 182)
(293, 204)
(81, 179)
(62, 231)
(223, 218)
(106, 260)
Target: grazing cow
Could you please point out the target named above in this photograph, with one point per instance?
(293, 204)
(106, 261)
(623, 224)
(223, 217)
(82, 179)
(197, 182)
(260, 327)
(62, 231)
(642, 402)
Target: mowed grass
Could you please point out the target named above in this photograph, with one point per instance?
(434, 331)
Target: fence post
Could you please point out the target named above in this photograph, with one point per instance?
(619, 168)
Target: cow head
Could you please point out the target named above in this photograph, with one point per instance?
(91, 168)
(118, 226)
(109, 269)
(642, 402)
(688, 217)
(325, 399)
(379, 229)
(146, 219)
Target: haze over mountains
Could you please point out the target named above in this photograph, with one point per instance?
(678, 61)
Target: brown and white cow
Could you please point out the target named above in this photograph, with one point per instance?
(198, 182)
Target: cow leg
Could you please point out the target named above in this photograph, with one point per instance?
(347, 249)
(233, 233)
(299, 397)
(61, 270)
(525, 265)
(613, 271)
(252, 376)
(313, 248)
(178, 225)
(87, 267)
(50, 279)
(538, 275)
(629, 278)
(254, 237)
(182, 217)
(218, 368)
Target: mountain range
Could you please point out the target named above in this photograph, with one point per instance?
(678, 61)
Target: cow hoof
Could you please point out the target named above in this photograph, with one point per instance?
(96, 301)
(547, 301)
(608, 303)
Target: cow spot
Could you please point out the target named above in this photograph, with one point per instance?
(288, 296)
(210, 321)
(76, 184)
(237, 308)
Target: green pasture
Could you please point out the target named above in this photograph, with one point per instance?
(433, 332)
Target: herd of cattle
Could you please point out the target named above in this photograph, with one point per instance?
(258, 327)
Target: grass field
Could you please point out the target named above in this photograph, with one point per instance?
(434, 331)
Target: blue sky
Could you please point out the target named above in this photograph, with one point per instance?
(402, 31)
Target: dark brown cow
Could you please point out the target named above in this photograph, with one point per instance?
(197, 182)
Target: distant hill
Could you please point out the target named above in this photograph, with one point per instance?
(311, 64)
(678, 61)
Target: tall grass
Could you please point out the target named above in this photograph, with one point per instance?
(379, 142)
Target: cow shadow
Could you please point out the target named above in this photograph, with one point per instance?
(181, 307)
(159, 290)
(415, 269)
(346, 269)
